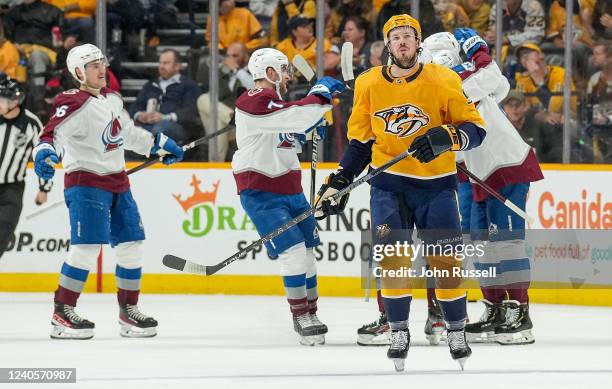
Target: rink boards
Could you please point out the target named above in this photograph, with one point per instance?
(192, 211)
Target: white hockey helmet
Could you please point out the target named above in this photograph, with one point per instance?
(441, 48)
(265, 58)
(79, 56)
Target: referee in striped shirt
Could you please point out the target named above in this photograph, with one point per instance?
(19, 129)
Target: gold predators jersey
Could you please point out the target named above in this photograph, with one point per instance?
(393, 111)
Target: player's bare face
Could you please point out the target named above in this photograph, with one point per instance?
(95, 73)
(403, 44)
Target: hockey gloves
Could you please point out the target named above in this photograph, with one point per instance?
(44, 159)
(334, 183)
(326, 87)
(469, 41)
(319, 127)
(167, 148)
(434, 142)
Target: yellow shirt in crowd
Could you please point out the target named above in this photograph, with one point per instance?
(239, 25)
(87, 8)
(309, 53)
(554, 83)
(9, 58)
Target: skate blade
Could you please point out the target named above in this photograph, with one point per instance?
(399, 363)
(481, 337)
(319, 340)
(61, 332)
(130, 331)
(518, 338)
(307, 340)
(461, 362)
(374, 340)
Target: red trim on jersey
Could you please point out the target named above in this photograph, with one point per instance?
(480, 59)
(287, 184)
(115, 183)
(528, 171)
(265, 101)
(72, 99)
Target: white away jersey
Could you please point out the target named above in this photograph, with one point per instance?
(91, 132)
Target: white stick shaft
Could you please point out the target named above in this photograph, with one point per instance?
(519, 211)
(44, 209)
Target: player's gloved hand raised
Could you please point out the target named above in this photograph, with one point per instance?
(469, 41)
(434, 142)
(44, 159)
(326, 87)
(334, 183)
(168, 149)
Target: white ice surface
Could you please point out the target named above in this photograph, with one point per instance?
(248, 342)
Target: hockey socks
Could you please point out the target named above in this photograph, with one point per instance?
(128, 284)
(71, 283)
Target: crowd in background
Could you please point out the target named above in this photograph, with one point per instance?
(35, 36)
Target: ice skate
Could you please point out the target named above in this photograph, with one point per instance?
(376, 333)
(68, 325)
(135, 324)
(434, 327)
(517, 328)
(483, 331)
(307, 330)
(459, 348)
(398, 350)
(322, 329)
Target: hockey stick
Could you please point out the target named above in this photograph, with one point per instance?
(188, 266)
(300, 64)
(346, 64)
(496, 194)
(151, 161)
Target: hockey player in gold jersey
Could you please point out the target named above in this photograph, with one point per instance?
(408, 105)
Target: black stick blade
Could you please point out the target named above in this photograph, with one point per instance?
(173, 262)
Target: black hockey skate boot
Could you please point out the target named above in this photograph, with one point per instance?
(398, 350)
(135, 324)
(459, 348)
(322, 329)
(68, 325)
(483, 331)
(307, 330)
(517, 328)
(434, 326)
(376, 333)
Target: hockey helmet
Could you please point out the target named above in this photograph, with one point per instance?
(79, 56)
(265, 58)
(11, 90)
(401, 21)
(441, 48)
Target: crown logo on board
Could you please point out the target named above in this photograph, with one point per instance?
(198, 197)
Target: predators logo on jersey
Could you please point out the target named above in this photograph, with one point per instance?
(403, 120)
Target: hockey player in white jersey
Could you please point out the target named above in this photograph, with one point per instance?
(268, 177)
(507, 164)
(90, 130)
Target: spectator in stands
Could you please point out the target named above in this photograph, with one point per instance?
(602, 19)
(344, 9)
(543, 137)
(302, 41)
(168, 103)
(523, 21)
(237, 25)
(263, 11)
(582, 40)
(29, 25)
(430, 23)
(235, 78)
(451, 14)
(78, 18)
(285, 11)
(477, 13)
(599, 100)
(356, 32)
(9, 56)
(376, 53)
(542, 84)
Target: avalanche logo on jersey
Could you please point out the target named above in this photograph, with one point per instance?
(403, 120)
(111, 137)
(286, 141)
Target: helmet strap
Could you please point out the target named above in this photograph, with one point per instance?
(276, 83)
